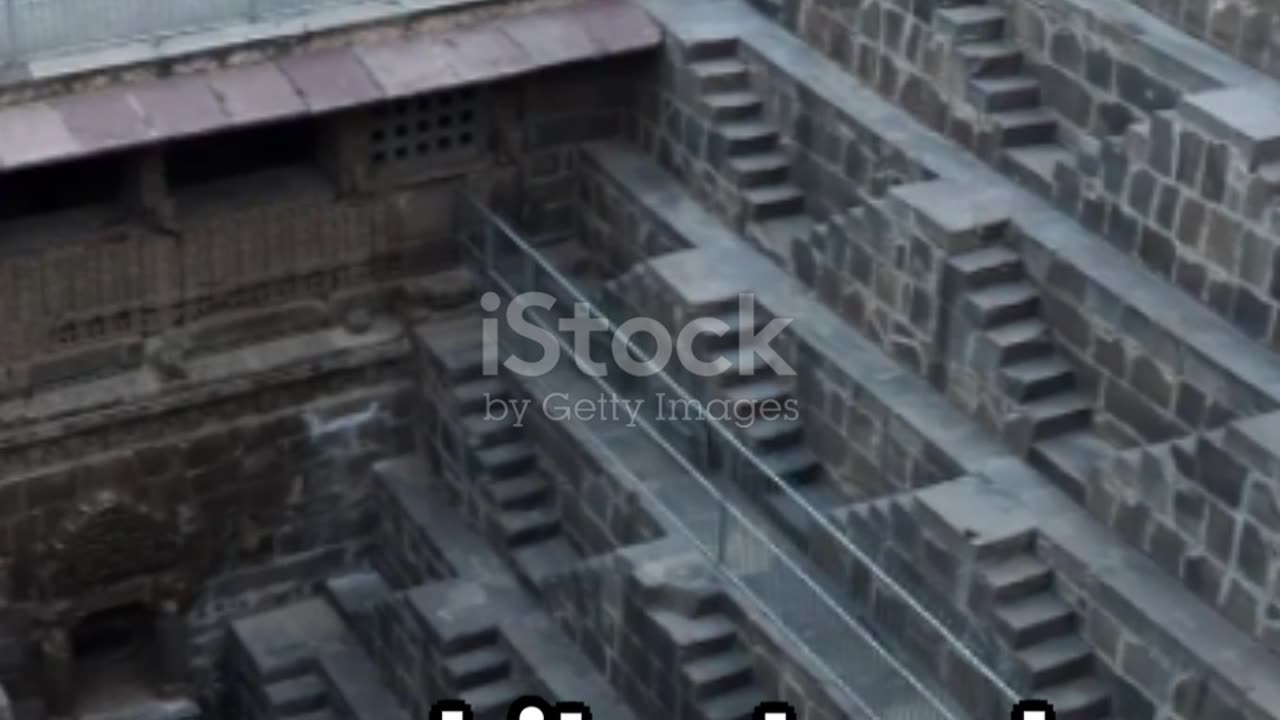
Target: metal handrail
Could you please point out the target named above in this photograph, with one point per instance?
(725, 509)
(728, 436)
(673, 519)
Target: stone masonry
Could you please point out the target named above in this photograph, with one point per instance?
(255, 463)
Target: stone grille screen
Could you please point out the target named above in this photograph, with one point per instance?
(423, 132)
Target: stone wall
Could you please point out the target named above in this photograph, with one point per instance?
(1164, 186)
(1192, 195)
(862, 441)
(1207, 511)
(908, 56)
(1239, 27)
(603, 607)
(279, 463)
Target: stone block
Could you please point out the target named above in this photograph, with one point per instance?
(952, 214)
(1246, 119)
(1256, 442)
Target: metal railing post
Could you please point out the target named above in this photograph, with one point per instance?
(10, 55)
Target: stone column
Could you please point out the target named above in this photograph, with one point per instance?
(171, 648)
(342, 153)
(59, 673)
(146, 189)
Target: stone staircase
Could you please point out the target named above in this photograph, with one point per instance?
(300, 662)
(1054, 424)
(479, 670)
(772, 427)
(1052, 659)
(717, 681)
(999, 85)
(1043, 653)
(748, 147)
(517, 497)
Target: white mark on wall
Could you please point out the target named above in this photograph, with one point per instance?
(320, 427)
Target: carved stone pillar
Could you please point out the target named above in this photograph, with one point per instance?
(59, 673)
(171, 648)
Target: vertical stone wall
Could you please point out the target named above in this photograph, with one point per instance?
(1239, 27)
(1207, 511)
(263, 497)
(1192, 195)
(539, 121)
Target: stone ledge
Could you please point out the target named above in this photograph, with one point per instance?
(1248, 121)
(1127, 584)
(152, 111)
(143, 391)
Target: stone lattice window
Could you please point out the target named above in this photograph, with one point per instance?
(417, 133)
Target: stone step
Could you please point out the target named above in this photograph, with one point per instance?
(774, 201)
(720, 75)
(718, 674)
(991, 58)
(538, 562)
(1033, 166)
(486, 432)
(767, 436)
(777, 236)
(297, 695)
(356, 595)
(745, 365)
(477, 667)
(1002, 303)
(774, 391)
(508, 460)
(1083, 699)
(734, 106)
(1018, 128)
(1056, 661)
(748, 137)
(1034, 619)
(524, 527)
(462, 362)
(970, 22)
(739, 704)
(1058, 414)
(698, 637)
(1016, 577)
(708, 345)
(491, 701)
(358, 690)
(766, 168)
(521, 492)
(1020, 340)
(1006, 92)
(702, 49)
(1068, 458)
(988, 266)
(1036, 378)
(473, 396)
(796, 465)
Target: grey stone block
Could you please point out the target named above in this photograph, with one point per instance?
(1247, 120)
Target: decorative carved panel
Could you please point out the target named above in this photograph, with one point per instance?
(106, 540)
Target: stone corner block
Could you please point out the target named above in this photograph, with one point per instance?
(1246, 119)
(1256, 441)
(952, 213)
